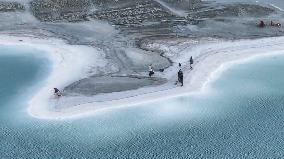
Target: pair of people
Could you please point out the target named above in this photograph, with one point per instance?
(190, 63)
(262, 24)
(180, 73)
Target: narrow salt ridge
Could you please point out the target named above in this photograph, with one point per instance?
(275, 6)
(72, 63)
(176, 12)
(212, 59)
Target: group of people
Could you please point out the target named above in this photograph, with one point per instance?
(58, 93)
(179, 74)
(262, 24)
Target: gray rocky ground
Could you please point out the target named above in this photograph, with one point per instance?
(11, 7)
(120, 28)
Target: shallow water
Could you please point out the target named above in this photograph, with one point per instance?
(240, 116)
(18, 72)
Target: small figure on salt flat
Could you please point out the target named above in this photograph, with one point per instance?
(151, 71)
(57, 92)
(191, 62)
(180, 77)
(261, 24)
(272, 23)
(275, 24)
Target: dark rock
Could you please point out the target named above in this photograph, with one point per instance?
(61, 10)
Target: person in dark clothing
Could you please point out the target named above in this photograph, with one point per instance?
(191, 62)
(180, 77)
(261, 24)
(151, 71)
(57, 92)
(179, 65)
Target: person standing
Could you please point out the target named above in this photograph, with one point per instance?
(180, 77)
(261, 24)
(151, 71)
(191, 62)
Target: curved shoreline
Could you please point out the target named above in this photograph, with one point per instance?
(212, 60)
(196, 86)
(66, 66)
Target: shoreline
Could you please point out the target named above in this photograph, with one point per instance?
(197, 86)
(214, 58)
(66, 67)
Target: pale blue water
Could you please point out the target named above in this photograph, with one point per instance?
(241, 117)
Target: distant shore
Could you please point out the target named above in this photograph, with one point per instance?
(212, 59)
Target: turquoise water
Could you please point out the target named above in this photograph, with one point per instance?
(18, 73)
(240, 117)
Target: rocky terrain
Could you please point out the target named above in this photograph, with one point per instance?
(134, 14)
(61, 10)
(11, 6)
